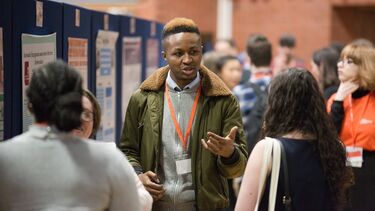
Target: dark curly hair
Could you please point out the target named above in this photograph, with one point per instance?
(55, 95)
(295, 103)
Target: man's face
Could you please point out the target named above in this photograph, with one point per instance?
(183, 52)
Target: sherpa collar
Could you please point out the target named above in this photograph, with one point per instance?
(212, 84)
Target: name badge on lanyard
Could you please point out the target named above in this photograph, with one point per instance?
(354, 156)
(183, 166)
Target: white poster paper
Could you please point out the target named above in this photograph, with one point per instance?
(77, 57)
(131, 68)
(36, 51)
(1, 86)
(152, 61)
(106, 83)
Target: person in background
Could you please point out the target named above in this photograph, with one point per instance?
(285, 57)
(324, 69)
(48, 168)
(90, 117)
(183, 132)
(210, 60)
(363, 42)
(225, 47)
(296, 116)
(90, 122)
(252, 94)
(229, 70)
(352, 109)
(337, 46)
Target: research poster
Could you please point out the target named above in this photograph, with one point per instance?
(77, 57)
(1, 86)
(106, 83)
(37, 50)
(152, 54)
(131, 68)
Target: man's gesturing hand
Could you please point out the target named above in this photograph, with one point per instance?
(220, 145)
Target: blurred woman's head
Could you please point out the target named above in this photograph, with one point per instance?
(90, 117)
(229, 69)
(55, 94)
(357, 63)
(324, 67)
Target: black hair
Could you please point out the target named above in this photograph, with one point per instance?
(287, 40)
(326, 59)
(259, 50)
(55, 95)
(223, 60)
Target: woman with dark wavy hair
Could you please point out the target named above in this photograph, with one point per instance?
(48, 168)
(297, 117)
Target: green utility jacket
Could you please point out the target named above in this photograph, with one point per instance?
(217, 111)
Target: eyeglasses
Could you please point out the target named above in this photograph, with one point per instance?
(345, 62)
(87, 116)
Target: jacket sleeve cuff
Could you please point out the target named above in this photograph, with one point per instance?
(138, 170)
(232, 159)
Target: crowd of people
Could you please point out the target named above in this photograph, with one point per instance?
(195, 131)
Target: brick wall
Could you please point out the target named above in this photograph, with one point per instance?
(315, 23)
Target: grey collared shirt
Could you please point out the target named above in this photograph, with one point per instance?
(179, 188)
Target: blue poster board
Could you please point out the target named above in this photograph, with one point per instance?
(24, 21)
(159, 28)
(107, 22)
(143, 30)
(77, 25)
(6, 79)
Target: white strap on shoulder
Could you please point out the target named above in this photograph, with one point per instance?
(264, 171)
(276, 157)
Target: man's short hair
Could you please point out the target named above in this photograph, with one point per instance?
(287, 40)
(178, 25)
(259, 50)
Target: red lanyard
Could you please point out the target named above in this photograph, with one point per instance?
(354, 132)
(259, 75)
(191, 118)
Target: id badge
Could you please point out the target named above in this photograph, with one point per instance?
(183, 166)
(354, 156)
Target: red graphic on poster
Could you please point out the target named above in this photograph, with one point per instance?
(27, 74)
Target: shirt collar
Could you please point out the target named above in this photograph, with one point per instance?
(173, 85)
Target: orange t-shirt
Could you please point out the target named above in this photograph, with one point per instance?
(361, 130)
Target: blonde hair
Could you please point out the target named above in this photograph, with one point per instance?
(364, 57)
(178, 25)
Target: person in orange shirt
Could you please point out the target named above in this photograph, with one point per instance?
(352, 110)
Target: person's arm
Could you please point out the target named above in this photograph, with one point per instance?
(129, 143)
(337, 114)
(122, 183)
(335, 103)
(248, 195)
